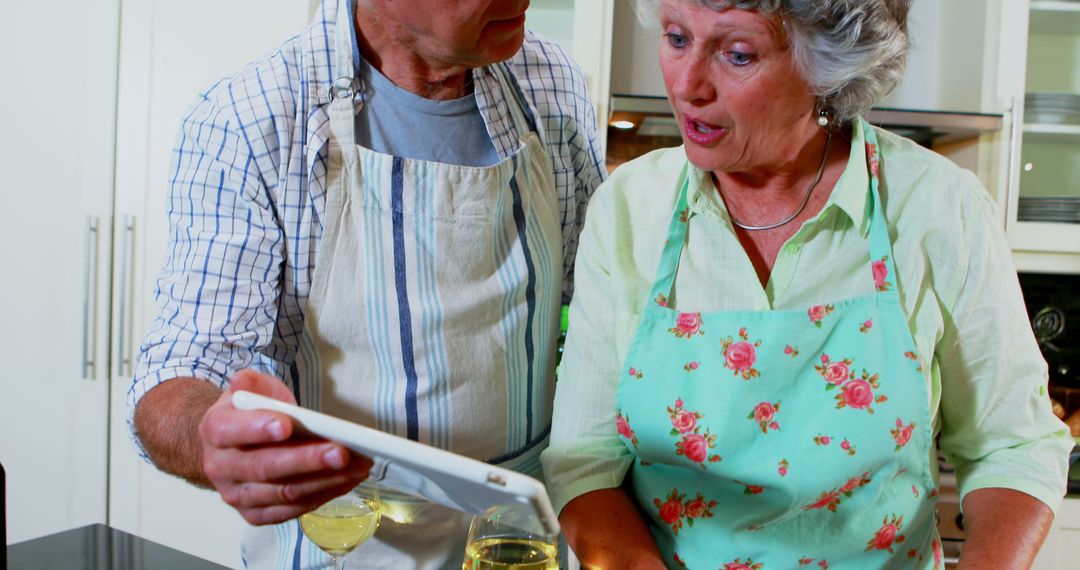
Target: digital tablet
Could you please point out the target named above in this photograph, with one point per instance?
(421, 470)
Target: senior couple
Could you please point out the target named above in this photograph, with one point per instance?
(772, 329)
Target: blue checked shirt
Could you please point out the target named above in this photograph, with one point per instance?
(247, 197)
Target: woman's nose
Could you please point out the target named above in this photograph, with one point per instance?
(692, 82)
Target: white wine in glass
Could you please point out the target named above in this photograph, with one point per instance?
(343, 523)
(497, 542)
(509, 553)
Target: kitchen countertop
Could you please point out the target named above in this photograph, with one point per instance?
(98, 547)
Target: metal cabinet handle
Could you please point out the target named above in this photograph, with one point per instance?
(123, 355)
(90, 262)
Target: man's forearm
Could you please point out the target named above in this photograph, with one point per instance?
(1004, 529)
(167, 423)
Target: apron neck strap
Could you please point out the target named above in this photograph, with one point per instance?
(342, 91)
(880, 243)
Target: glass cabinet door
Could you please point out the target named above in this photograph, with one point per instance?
(1048, 206)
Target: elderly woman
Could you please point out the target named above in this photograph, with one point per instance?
(774, 322)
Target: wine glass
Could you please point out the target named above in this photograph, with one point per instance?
(343, 523)
(509, 539)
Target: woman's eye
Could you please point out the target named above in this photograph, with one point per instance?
(676, 40)
(739, 58)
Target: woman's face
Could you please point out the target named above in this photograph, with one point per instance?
(730, 77)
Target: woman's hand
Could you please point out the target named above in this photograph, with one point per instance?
(606, 530)
(1004, 529)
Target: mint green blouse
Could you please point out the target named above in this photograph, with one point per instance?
(957, 285)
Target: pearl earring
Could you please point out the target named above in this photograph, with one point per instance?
(823, 119)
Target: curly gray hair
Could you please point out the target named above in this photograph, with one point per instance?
(851, 53)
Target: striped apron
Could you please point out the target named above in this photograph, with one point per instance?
(433, 315)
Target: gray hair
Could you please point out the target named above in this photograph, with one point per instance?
(851, 52)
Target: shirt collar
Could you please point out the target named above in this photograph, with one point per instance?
(849, 195)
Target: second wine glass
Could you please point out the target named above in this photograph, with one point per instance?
(343, 523)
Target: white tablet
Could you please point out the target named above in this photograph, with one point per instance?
(421, 470)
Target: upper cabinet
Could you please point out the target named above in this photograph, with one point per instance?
(1044, 82)
(1040, 80)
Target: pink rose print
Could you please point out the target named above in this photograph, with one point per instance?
(902, 433)
(740, 355)
(684, 215)
(693, 444)
(687, 325)
(661, 300)
(881, 273)
(855, 393)
(872, 159)
(828, 499)
(751, 489)
(691, 366)
(738, 564)
(684, 422)
(914, 358)
(674, 508)
(832, 498)
(887, 535)
(791, 351)
(699, 508)
(838, 373)
(938, 554)
(913, 553)
(763, 414)
(783, 468)
(846, 446)
(866, 326)
(915, 491)
(834, 373)
(822, 439)
(805, 561)
(824, 564)
(858, 394)
(635, 373)
(679, 561)
(671, 510)
(817, 313)
(622, 424)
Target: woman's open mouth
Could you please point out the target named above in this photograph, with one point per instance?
(702, 133)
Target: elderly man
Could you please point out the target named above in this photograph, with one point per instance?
(378, 220)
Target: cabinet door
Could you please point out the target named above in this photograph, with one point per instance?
(56, 152)
(169, 52)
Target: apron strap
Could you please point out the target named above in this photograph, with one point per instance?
(673, 246)
(343, 90)
(880, 243)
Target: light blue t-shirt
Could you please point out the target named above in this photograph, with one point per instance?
(398, 122)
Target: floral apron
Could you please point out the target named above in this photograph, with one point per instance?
(782, 439)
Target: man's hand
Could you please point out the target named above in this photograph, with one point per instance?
(253, 458)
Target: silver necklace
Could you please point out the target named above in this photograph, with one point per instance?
(805, 200)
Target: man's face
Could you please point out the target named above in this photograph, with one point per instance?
(470, 33)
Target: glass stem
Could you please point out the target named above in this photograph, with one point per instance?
(339, 562)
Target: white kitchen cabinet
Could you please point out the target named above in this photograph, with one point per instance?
(1060, 550)
(169, 52)
(56, 152)
(1040, 59)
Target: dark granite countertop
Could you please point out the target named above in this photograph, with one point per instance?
(98, 547)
